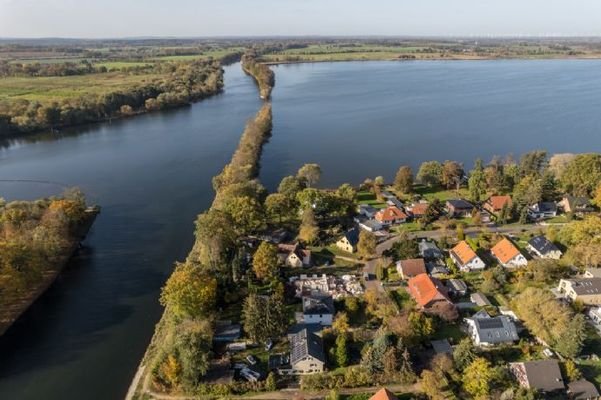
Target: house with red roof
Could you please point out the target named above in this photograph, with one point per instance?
(465, 258)
(494, 204)
(390, 216)
(508, 254)
(383, 394)
(427, 291)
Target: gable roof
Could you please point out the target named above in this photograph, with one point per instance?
(352, 235)
(544, 206)
(582, 390)
(383, 394)
(428, 249)
(494, 329)
(463, 252)
(542, 245)
(505, 251)
(497, 202)
(460, 204)
(587, 286)
(425, 289)
(543, 375)
(305, 343)
(413, 267)
(318, 304)
(295, 249)
(419, 209)
(391, 213)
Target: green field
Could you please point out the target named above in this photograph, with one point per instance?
(122, 64)
(59, 88)
(216, 54)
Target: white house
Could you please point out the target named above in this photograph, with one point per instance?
(544, 248)
(489, 331)
(508, 254)
(293, 255)
(318, 309)
(465, 258)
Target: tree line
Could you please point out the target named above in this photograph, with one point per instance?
(180, 84)
(261, 73)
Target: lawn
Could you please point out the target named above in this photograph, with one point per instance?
(58, 88)
(370, 199)
(413, 226)
(431, 193)
(449, 331)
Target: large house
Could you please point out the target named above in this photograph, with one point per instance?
(294, 255)
(489, 331)
(542, 375)
(495, 204)
(459, 208)
(575, 205)
(411, 268)
(465, 258)
(544, 248)
(582, 390)
(587, 290)
(542, 210)
(508, 254)
(391, 215)
(318, 309)
(349, 241)
(427, 292)
(306, 353)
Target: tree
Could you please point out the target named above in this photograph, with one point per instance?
(582, 175)
(271, 384)
(347, 192)
(571, 371)
(478, 378)
(366, 246)
(277, 204)
(421, 324)
(477, 182)
(290, 186)
(263, 316)
(379, 180)
(597, 197)
(528, 191)
(559, 162)
(341, 350)
(265, 261)
(246, 212)
(309, 231)
(432, 385)
(341, 324)
(310, 173)
(430, 173)
(452, 172)
(403, 180)
(533, 163)
(464, 353)
(404, 248)
(189, 292)
(170, 370)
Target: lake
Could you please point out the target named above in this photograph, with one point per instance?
(152, 176)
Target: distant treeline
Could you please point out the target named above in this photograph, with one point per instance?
(182, 83)
(262, 74)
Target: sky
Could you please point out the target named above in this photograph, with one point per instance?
(197, 18)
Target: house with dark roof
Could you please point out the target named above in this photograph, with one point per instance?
(587, 290)
(583, 390)
(456, 287)
(306, 353)
(411, 267)
(544, 248)
(429, 251)
(542, 210)
(441, 346)
(489, 331)
(542, 375)
(318, 309)
(495, 204)
(592, 273)
(294, 255)
(508, 254)
(349, 241)
(226, 332)
(465, 258)
(459, 208)
(368, 211)
(575, 205)
(480, 299)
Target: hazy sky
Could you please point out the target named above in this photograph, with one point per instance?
(119, 18)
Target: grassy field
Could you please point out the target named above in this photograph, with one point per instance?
(431, 193)
(216, 54)
(122, 64)
(370, 198)
(58, 88)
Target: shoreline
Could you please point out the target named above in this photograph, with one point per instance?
(17, 310)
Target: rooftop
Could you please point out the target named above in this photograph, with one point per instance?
(497, 202)
(425, 289)
(582, 390)
(542, 374)
(460, 204)
(305, 343)
(494, 329)
(412, 267)
(505, 251)
(464, 252)
(318, 304)
(390, 214)
(542, 245)
(383, 394)
(587, 286)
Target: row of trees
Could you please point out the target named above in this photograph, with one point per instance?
(262, 74)
(180, 84)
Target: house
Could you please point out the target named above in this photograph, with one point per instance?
(383, 394)
(459, 208)
(544, 248)
(541, 375)
(480, 299)
(391, 215)
(489, 331)
(594, 314)
(318, 309)
(427, 291)
(417, 210)
(575, 205)
(592, 273)
(457, 287)
(542, 210)
(411, 268)
(442, 346)
(495, 204)
(429, 250)
(370, 225)
(349, 241)
(226, 332)
(437, 269)
(306, 353)
(508, 254)
(583, 390)
(294, 255)
(368, 211)
(465, 258)
(587, 291)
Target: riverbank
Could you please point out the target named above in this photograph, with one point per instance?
(9, 315)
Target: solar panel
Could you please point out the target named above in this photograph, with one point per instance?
(490, 323)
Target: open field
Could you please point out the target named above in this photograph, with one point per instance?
(45, 89)
(216, 54)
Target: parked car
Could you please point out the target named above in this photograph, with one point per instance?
(251, 359)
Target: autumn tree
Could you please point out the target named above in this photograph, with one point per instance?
(366, 246)
(310, 173)
(403, 181)
(309, 230)
(452, 172)
(189, 292)
(477, 182)
(478, 377)
(265, 261)
(341, 350)
(430, 173)
(582, 175)
(276, 205)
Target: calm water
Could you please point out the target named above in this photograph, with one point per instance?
(152, 176)
(365, 119)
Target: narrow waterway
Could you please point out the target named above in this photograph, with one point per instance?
(152, 176)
